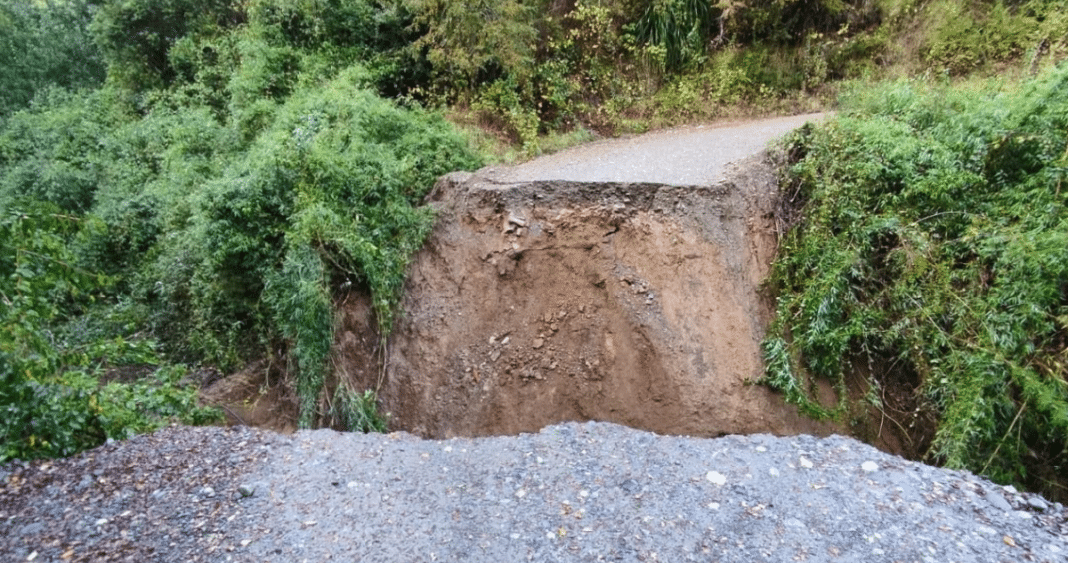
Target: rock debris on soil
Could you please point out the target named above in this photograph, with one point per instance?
(572, 492)
(618, 281)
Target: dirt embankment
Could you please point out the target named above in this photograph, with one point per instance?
(617, 281)
(545, 301)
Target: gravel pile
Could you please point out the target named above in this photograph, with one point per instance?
(573, 492)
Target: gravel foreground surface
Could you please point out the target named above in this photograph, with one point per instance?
(573, 492)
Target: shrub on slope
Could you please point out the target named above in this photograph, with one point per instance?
(930, 251)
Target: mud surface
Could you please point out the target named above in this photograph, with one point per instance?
(580, 297)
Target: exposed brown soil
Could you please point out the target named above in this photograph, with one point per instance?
(553, 292)
(540, 302)
(255, 396)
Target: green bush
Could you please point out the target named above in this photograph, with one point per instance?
(50, 394)
(475, 41)
(357, 412)
(45, 45)
(49, 152)
(972, 36)
(227, 195)
(930, 252)
(136, 36)
(329, 192)
(681, 28)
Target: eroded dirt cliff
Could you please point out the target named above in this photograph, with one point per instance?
(536, 302)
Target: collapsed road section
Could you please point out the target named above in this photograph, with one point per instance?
(541, 301)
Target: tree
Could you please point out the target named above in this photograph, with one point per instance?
(136, 36)
(45, 44)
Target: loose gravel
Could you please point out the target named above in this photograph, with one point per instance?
(696, 155)
(573, 492)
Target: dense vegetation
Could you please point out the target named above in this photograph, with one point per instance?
(189, 185)
(200, 207)
(930, 254)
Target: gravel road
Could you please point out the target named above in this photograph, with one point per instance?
(684, 156)
(573, 492)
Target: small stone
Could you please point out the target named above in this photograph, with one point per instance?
(998, 501)
(32, 529)
(716, 478)
(804, 461)
(1037, 504)
(1009, 541)
(246, 490)
(773, 472)
(538, 343)
(244, 543)
(869, 466)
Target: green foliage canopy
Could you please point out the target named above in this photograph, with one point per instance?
(236, 172)
(45, 44)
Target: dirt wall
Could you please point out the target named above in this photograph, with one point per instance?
(539, 302)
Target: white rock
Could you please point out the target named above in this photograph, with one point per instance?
(716, 478)
(869, 466)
